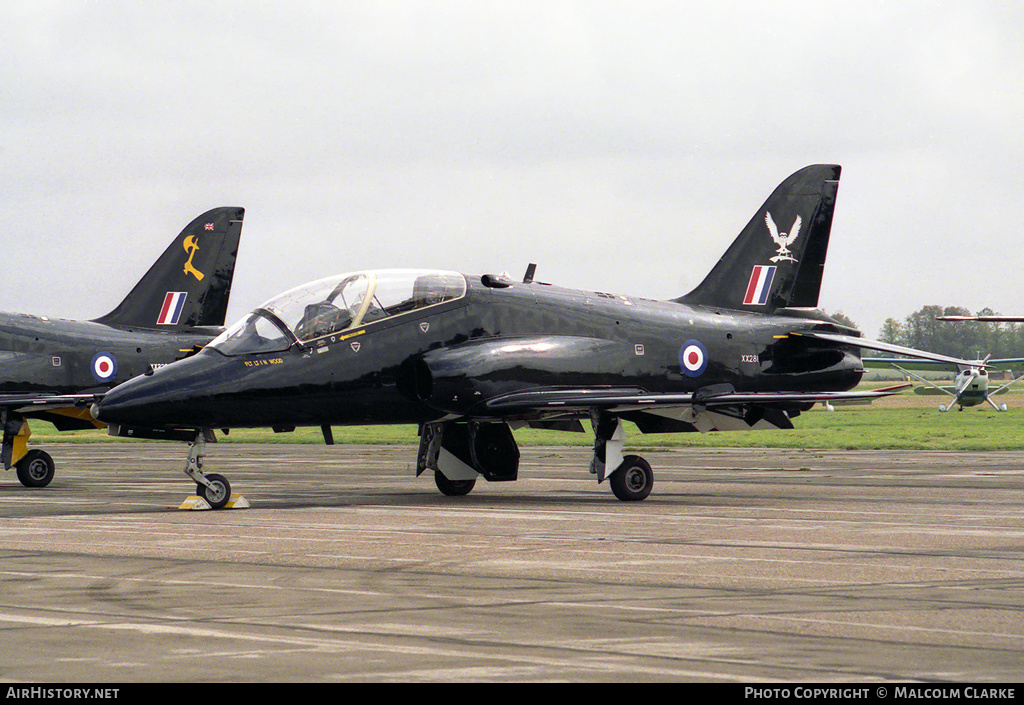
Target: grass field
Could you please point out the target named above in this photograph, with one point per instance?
(906, 421)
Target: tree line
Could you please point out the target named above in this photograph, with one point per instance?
(963, 339)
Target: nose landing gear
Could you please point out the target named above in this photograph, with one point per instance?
(214, 488)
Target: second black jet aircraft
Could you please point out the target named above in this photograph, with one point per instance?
(51, 368)
(468, 358)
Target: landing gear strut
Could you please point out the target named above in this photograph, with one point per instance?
(35, 467)
(458, 452)
(630, 476)
(215, 489)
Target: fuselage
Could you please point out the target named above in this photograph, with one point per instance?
(53, 355)
(972, 387)
(444, 359)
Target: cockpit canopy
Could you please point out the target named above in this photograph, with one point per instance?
(337, 304)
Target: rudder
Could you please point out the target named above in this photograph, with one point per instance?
(779, 257)
(189, 285)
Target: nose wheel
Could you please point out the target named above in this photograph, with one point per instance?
(214, 488)
(217, 493)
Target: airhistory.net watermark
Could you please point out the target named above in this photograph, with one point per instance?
(53, 693)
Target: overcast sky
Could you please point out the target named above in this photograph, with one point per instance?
(619, 145)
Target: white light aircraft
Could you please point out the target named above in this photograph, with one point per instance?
(970, 385)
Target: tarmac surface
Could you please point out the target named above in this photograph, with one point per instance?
(742, 566)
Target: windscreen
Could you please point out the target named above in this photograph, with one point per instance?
(336, 304)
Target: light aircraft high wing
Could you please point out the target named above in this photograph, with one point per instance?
(53, 369)
(1007, 364)
(469, 358)
(970, 383)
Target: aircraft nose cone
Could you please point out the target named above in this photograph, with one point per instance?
(133, 402)
(163, 398)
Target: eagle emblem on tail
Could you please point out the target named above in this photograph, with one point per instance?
(783, 240)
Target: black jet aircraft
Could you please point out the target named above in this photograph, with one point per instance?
(468, 358)
(52, 368)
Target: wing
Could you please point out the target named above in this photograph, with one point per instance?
(898, 363)
(625, 400)
(1007, 363)
(27, 403)
(723, 410)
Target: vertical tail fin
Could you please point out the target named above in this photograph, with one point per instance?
(190, 284)
(778, 258)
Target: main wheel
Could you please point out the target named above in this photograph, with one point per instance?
(633, 480)
(452, 488)
(217, 495)
(35, 469)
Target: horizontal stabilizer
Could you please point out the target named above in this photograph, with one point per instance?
(888, 347)
(903, 364)
(898, 363)
(929, 391)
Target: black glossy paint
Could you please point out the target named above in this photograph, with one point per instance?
(40, 355)
(492, 342)
(467, 357)
(505, 338)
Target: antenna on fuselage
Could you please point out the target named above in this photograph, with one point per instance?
(530, 270)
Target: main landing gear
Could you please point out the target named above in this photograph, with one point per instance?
(35, 467)
(633, 480)
(215, 489)
(458, 452)
(630, 477)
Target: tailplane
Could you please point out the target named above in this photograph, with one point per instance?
(190, 284)
(778, 259)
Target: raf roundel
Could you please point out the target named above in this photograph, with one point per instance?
(104, 367)
(693, 358)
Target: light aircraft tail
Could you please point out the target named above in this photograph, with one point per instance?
(778, 259)
(190, 284)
